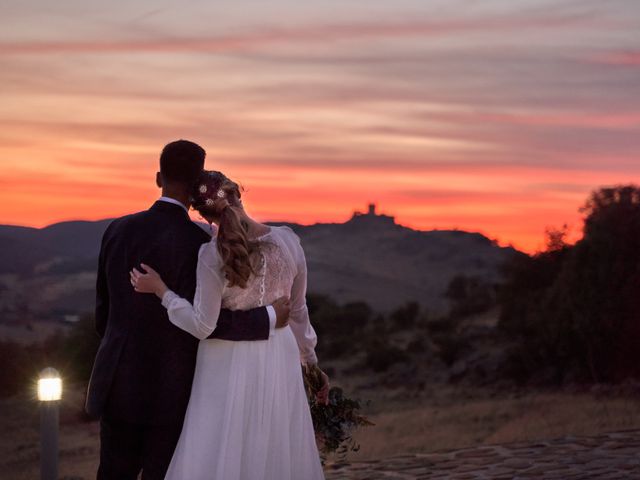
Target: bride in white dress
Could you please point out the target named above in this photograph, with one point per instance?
(248, 416)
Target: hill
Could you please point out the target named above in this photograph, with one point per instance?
(369, 258)
(372, 258)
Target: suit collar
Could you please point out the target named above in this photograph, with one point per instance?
(170, 208)
(174, 201)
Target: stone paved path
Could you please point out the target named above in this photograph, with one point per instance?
(607, 457)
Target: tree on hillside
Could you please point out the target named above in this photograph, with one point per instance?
(575, 311)
(470, 295)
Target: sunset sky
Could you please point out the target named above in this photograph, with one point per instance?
(498, 116)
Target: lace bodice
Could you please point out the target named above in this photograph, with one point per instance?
(276, 271)
(282, 271)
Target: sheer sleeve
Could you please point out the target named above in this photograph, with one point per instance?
(299, 317)
(201, 318)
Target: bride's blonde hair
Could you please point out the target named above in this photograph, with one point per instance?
(217, 197)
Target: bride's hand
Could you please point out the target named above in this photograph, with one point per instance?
(148, 282)
(323, 394)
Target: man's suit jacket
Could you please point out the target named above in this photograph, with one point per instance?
(144, 366)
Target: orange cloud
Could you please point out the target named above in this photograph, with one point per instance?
(491, 123)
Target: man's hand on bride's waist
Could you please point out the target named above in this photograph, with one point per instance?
(282, 306)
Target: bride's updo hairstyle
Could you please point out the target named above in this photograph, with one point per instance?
(217, 198)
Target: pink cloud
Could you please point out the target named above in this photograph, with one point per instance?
(629, 58)
(549, 119)
(273, 36)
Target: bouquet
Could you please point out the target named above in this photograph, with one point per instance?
(335, 422)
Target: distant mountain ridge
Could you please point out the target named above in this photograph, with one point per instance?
(26, 250)
(368, 258)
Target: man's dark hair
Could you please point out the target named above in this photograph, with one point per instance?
(181, 162)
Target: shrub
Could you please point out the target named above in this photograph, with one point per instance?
(470, 295)
(417, 345)
(71, 354)
(451, 346)
(79, 348)
(381, 356)
(405, 317)
(339, 327)
(14, 374)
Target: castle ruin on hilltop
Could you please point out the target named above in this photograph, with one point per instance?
(370, 217)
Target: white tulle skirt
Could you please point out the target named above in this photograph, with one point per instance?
(248, 416)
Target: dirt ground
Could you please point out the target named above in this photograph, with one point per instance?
(444, 418)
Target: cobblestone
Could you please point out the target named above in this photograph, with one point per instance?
(613, 456)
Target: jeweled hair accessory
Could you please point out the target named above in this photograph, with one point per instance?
(208, 189)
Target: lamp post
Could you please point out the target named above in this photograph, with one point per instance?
(49, 394)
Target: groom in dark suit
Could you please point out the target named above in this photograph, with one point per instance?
(144, 368)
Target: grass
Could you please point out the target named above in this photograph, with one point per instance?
(444, 418)
(456, 419)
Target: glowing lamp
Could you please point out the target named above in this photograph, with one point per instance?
(49, 386)
(49, 394)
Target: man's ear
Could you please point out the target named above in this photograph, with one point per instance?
(159, 179)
